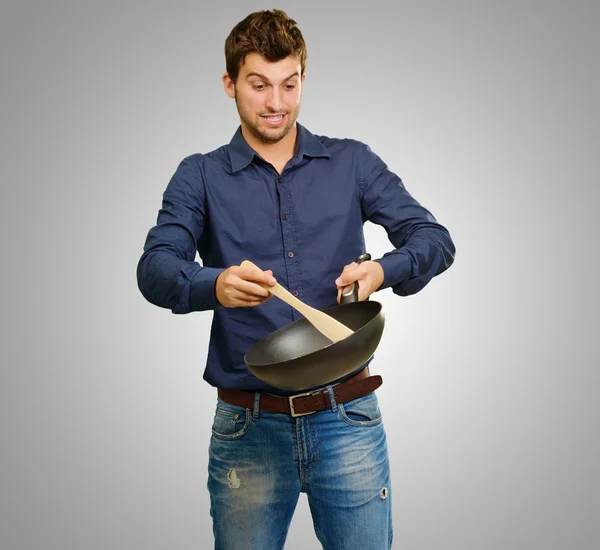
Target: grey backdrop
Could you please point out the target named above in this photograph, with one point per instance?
(489, 113)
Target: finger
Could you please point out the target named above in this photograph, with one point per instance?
(252, 297)
(246, 300)
(249, 274)
(352, 272)
(346, 279)
(251, 290)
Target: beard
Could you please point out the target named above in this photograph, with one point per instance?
(267, 135)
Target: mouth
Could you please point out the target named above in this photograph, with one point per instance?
(274, 120)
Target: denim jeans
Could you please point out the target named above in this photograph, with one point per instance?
(259, 462)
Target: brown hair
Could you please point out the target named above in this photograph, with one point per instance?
(272, 34)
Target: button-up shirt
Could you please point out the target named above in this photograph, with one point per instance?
(304, 224)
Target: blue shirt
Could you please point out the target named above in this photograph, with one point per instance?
(305, 225)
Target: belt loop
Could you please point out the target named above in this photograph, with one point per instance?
(255, 411)
(332, 399)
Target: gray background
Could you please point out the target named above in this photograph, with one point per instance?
(489, 113)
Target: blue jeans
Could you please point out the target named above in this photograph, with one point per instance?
(259, 462)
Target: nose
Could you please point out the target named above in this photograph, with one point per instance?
(274, 100)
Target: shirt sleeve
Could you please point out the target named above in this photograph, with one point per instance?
(423, 247)
(167, 274)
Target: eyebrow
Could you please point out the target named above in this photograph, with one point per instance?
(263, 77)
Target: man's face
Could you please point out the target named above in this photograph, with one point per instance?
(267, 96)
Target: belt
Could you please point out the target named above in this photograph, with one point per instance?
(305, 403)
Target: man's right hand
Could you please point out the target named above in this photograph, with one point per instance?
(237, 287)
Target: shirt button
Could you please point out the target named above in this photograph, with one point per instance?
(290, 254)
(285, 216)
(295, 293)
(279, 180)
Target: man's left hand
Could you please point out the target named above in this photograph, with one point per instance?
(369, 275)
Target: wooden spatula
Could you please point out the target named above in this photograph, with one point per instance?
(327, 325)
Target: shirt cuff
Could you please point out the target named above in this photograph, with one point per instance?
(396, 269)
(202, 293)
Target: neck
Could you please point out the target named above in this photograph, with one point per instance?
(277, 153)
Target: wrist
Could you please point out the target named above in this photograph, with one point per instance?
(377, 274)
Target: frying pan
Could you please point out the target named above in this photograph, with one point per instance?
(298, 357)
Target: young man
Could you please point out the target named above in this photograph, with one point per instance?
(294, 204)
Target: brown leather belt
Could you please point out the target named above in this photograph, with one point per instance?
(309, 402)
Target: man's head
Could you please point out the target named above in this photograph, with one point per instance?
(265, 60)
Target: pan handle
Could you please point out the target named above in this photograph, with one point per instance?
(352, 294)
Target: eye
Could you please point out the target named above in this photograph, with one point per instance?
(258, 86)
(290, 86)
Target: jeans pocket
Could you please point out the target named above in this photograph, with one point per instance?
(363, 411)
(230, 421)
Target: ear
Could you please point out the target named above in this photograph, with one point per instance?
(228, 85)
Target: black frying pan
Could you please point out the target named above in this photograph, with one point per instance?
(298, 357)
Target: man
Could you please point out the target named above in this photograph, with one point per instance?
(294, 204)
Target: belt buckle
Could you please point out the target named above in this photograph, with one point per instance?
(291, 400)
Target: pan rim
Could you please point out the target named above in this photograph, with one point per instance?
(328, 346)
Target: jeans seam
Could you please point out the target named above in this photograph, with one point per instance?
(301, 472)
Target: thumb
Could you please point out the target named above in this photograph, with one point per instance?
(348, 275)
(345, 279)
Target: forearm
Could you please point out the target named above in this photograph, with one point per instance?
(167, 274)
(171, 282)
(422, 247)
(428, 252)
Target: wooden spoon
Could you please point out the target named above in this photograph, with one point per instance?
(327, 325)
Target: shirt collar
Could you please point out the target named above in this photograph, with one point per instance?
(241, 154)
